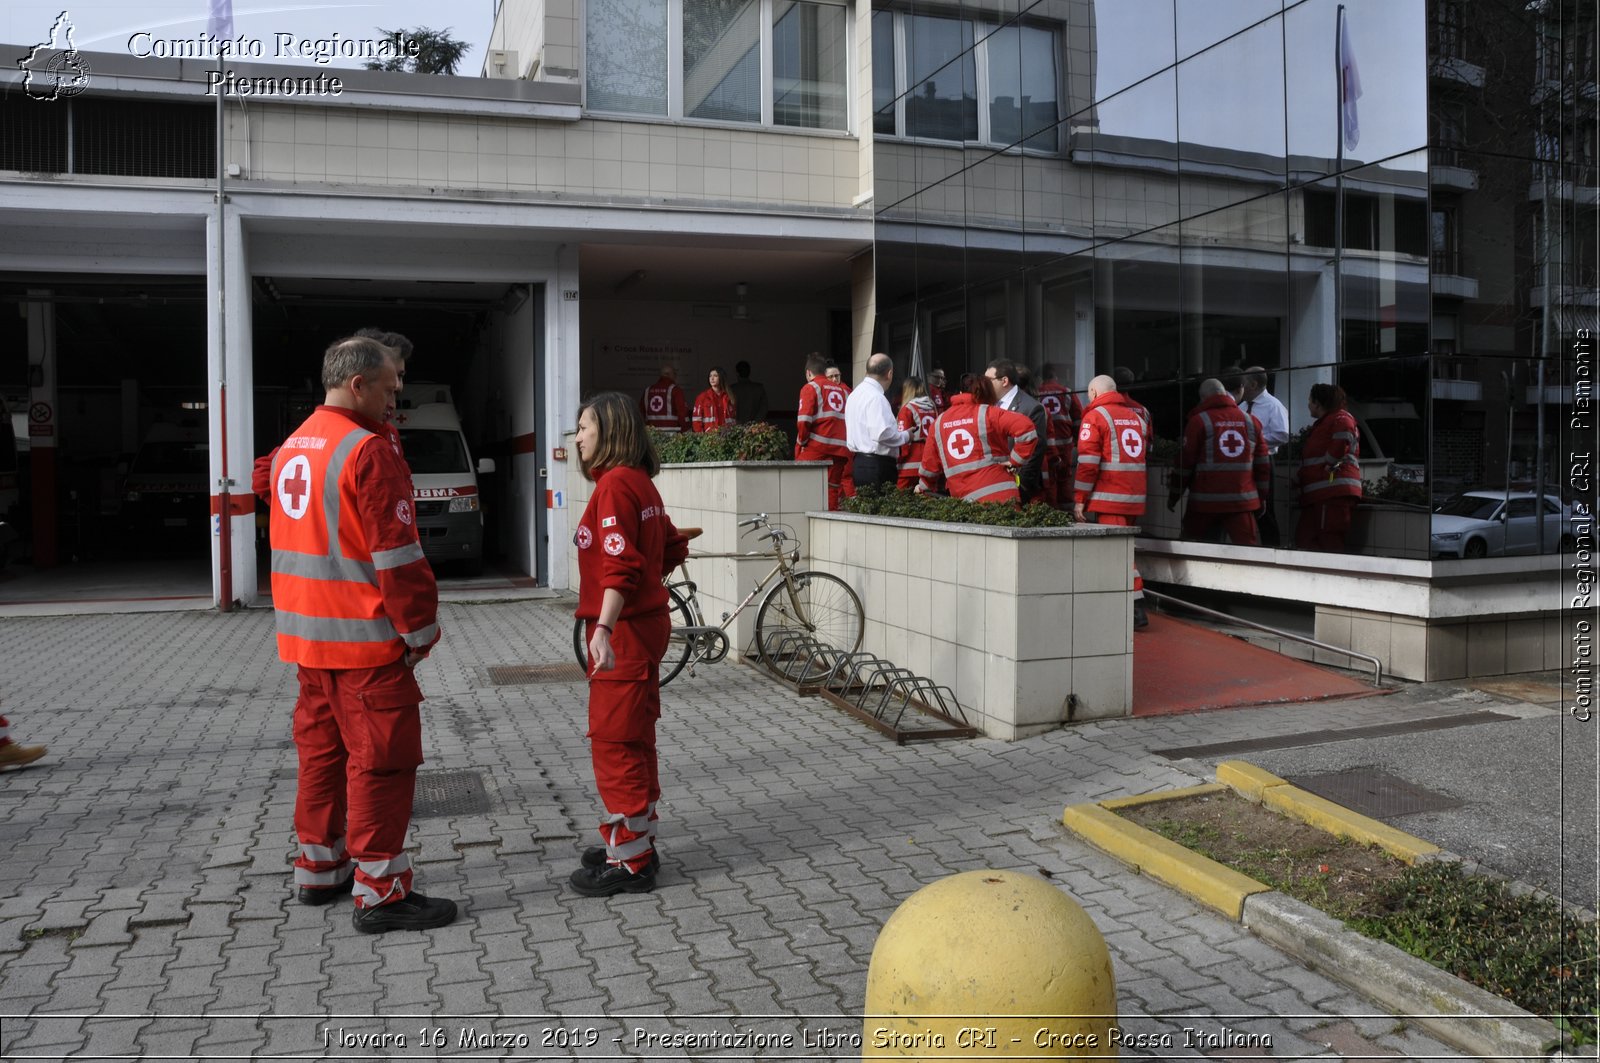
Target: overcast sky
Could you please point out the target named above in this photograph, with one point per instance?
(107, 25)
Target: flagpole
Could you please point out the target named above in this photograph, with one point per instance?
(1338, 186)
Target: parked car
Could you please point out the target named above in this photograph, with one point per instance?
(1493, 524)
(166, 502)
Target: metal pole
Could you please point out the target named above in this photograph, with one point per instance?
(225, 496)
(1338, 194)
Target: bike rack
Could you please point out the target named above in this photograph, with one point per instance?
(873, 690)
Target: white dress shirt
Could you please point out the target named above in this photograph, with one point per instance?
(869, 423)
(1274, 418)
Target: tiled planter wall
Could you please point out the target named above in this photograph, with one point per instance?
(715, 496)
(1016, 621)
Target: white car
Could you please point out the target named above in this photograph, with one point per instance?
(1492, 524)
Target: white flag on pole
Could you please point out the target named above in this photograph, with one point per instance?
(221, 27)
(1349, 85)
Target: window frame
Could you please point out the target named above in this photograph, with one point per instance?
(983, 31)
(675, 114)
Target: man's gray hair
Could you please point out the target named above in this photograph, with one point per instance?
(351, 357)
(880, 365)
(1211, 386)
(1256, 375)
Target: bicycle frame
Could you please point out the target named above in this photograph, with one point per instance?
(784, 566)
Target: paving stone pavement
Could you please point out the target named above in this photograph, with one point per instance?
(145, 904)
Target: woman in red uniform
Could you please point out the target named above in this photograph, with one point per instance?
(917, 414)
(975, 445)
(714, 407)
(626, 542)
(1330, 474)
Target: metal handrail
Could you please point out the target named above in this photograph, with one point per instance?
(1377, 665)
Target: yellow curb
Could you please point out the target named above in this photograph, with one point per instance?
(1247, 779)
(1116, 803)
(1336, 819)
(1150, 854)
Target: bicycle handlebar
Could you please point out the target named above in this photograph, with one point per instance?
(750, 522)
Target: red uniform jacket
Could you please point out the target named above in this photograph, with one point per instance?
(713, 410)
(664, 406)
(1111, 456)
(969, 447)
(1224, 464)
(819, 430)
(1065, 412)
(1328, 465)
(916, 417)
(626, 542)
(350, 585)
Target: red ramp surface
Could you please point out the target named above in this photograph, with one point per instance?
(1183, 667)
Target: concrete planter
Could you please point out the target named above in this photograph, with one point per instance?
(1390, 529)
(1031, 627)
(1158, 521)
(715, 496)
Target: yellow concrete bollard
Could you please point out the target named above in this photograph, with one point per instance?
(986, 964)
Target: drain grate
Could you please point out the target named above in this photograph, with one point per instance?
(503, 675)
(1374, 793)
(449, 793)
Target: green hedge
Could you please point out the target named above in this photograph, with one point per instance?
(883, 500)
(735, 442)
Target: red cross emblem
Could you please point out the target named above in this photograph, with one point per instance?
(294, 486)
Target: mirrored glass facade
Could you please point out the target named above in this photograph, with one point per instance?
(1382, 195)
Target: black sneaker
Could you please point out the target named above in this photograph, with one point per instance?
(411, 912)
(596, 857)
(319, 895)
(604, 881)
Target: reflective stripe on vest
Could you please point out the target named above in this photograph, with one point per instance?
(985, 456)
(664, 419)
(1116, 462)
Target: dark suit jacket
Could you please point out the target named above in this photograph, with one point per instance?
(1031, 475)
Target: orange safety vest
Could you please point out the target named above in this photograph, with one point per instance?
(325, 592)
(665, 407)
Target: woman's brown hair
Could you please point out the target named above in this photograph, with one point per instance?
(623, 438)
(1329, 396)
(913, 388)
(980, 387)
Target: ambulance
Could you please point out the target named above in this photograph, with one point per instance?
(444, 478)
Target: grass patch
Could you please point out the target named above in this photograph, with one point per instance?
(1526, 949)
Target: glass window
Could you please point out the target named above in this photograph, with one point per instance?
(722, 60)
(1022, 87)
(625, 56)
(883, 87)
(942, 103)
(430, 451)
(808, 65)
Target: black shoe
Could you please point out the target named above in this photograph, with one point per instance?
(604, 881)
(1141, 620)
(411, 912)
(319, 895)
(596, 857)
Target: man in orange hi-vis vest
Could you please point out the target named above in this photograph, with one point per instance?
(357, 610)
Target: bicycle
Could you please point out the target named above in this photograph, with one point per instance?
(821, 604)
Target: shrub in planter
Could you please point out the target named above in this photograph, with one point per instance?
(757, 441)
(1388, 489)
(884, 500)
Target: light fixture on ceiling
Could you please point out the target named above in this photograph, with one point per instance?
(740, 311)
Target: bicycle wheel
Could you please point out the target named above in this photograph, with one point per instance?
(821, 605)
(678, 646)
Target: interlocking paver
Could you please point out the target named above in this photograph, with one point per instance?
(162, 835)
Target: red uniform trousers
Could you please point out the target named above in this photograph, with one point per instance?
(841, 478)
(359, 735)
(1239, 526)
(1122, 520)
(1325, 525)
(624, 705)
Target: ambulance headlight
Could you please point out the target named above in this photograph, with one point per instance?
(464, 504)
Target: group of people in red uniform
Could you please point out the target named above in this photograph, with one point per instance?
(667, 409)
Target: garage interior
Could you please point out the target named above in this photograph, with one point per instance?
(132, 497)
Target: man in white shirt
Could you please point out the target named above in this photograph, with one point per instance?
(870, 429)
(1256, 400)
